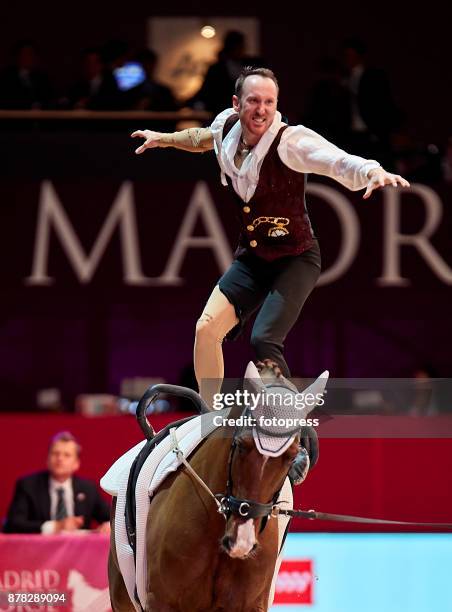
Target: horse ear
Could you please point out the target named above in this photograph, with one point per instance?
(252, 380)
(251, 371)
(317, 389)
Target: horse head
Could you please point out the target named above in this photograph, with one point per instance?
(264, 445)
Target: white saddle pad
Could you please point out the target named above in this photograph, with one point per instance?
(161, 462)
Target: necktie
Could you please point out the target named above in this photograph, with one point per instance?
(61, 510)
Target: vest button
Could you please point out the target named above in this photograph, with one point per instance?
(253, 243)
(246, 209)
(250, 228)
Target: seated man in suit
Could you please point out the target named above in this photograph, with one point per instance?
(55, 500)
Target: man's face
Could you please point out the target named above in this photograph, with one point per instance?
(63, 460)
(256, 106)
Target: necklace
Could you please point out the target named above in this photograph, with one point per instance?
(243, 148)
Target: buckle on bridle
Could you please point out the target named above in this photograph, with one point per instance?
(241, 507)
(222, 506)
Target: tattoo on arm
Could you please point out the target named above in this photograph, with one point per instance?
(196, 140)
(195, 136)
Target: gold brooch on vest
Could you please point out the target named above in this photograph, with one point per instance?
(277, 228)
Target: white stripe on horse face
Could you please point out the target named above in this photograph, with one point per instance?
(245, 540)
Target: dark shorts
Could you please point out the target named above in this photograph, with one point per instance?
(280, 287)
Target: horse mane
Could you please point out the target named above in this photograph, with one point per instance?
(268, 369)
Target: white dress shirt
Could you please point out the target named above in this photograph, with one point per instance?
(300, 149)
(68, 495)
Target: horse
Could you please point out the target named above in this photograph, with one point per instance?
(203, 560)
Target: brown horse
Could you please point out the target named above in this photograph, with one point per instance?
(198, 559)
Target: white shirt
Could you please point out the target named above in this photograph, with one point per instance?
(300, 149)
(68, 495)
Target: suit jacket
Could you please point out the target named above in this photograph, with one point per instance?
(30, 507)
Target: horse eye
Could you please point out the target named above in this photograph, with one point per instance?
(290, 456)
(242, 446)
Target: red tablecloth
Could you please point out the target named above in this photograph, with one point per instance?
(74, 565)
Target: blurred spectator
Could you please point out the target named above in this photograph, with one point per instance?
(23, 85)
(150, 94)
(218, 87)
(97, 89)
(328, 109)
(424, 401)
(55, 500)
(374, 115)
(447, 161)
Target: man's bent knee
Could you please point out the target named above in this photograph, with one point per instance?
(214, 327)
(204, 321)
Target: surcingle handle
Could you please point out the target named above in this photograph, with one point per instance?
(152, 393)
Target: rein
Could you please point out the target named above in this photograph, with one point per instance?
(349, 518)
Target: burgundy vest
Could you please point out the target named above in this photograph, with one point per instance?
(275, 222)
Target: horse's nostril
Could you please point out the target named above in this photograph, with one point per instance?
(227, 542)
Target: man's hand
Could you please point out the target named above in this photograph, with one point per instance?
(151, 139)
(379, 178)
(70, 523)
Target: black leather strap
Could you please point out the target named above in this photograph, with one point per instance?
(346, 518)
(246, 508)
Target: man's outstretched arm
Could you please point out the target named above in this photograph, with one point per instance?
(195, 140)
(303, 150)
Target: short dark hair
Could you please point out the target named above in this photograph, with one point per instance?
(250, 71)
(65, 436)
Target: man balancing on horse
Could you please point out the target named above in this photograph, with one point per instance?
(264, 162)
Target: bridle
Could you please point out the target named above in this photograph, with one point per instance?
(243, 508)
(247, 508)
